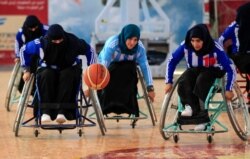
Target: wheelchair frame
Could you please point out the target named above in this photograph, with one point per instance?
(236, 110)
(26, 101)
(132, 117)
(12, 95)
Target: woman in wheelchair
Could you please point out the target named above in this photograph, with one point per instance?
(206, 61)
(32, 28)
(59, 73)
(239, 50)
(121, 54)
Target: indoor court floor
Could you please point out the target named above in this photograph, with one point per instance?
(120, 142)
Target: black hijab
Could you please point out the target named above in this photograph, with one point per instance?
(63, 54)
(243, 20)
(55, 54)
(32, 21)
(129, 31)
(200, 31)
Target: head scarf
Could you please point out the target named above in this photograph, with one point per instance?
(32, 21)
(56, 53)
(200, 31)
(243, 20)
(56, 32)
(129, 31)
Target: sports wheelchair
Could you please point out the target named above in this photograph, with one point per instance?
(24, 118)
(13, 95)
(216, 104)
(142, 94)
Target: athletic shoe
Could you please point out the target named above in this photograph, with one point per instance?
(60, 119)
(187, 111)
(200, 127)
(45, 118)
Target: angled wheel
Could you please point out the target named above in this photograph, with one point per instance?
(147, 100)
(238, 114)
(12, 91)
(22, 105)
(169, 111)
(98, 111)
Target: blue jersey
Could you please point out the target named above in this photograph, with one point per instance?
(231, 32)
(217, 58)
(20, 39)
(35, 48)
(112, 53)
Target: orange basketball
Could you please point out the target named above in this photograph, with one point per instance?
(96, 76)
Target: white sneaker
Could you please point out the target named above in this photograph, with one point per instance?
(60, 119)
(187, 111)
(200, 127)
(45, 118)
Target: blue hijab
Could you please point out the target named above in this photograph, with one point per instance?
(129, 31)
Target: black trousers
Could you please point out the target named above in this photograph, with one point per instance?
(58, 91)
(120, 95)
(195, 84)
(242, 61)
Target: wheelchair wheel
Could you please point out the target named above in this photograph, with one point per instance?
(238, 114)
(98, 111)
(36, 133)
(147, 100)
(176, 138)
(209, 138)
(169, 111)
(23, 103)
(13, 84)
(80, 132)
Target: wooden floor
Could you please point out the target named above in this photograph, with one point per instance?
(120, 141)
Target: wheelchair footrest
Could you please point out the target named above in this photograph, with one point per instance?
(200, 118)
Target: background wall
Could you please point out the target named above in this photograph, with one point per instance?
(78, 16)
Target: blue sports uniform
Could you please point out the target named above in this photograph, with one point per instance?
(112, 53)
(231, 32)
(21, 40)
(35, 48)
(217, 59)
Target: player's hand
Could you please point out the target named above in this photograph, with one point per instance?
(168, 87)
(229, 95)
(86, 93)
(26, 76)
(16, 60)
(151, 95)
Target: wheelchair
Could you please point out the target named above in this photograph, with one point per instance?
(216, 104)
(13, 95)
(24, 118)
(142, 98)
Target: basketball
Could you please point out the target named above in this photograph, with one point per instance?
(96, 76)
